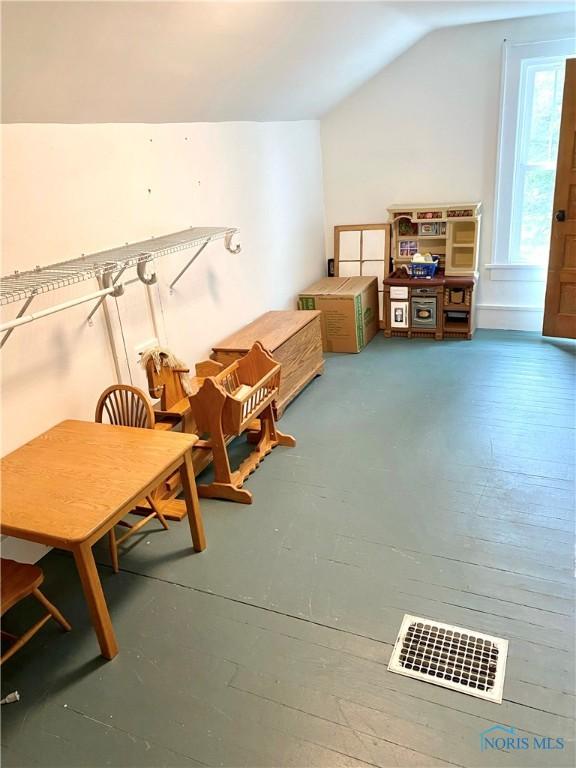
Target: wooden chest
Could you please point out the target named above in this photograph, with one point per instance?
(293, 338)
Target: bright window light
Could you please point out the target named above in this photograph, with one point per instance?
(532, 90)
(540, 106)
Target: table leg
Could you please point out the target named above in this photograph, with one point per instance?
(96, 602)
(192, 503)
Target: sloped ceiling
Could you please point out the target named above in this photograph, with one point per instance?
(86, 62)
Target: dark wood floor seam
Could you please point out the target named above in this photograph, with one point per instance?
(343, 725)
(252, 605)
(486, 613)
(134, 736)
(319, 624)
(491, 597)
(400, 549)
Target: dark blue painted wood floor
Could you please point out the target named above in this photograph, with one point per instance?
(429, 478)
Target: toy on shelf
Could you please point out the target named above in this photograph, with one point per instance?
(228, 402)
(421, 266)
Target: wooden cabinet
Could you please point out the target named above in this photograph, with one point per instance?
(458, 315)
(449, 231)
(294, 339)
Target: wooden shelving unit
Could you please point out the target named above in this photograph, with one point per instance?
(449, 231)
(441, 306)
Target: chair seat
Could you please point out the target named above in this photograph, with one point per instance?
(18, 581)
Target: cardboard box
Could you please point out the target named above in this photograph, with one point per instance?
(349, 307)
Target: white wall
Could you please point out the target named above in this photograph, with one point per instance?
(73, 62)
(72, 189)
(426, 130)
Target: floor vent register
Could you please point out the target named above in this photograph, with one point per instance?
(461, 659)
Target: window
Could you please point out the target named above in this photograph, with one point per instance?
(541, 85)
(532, 103)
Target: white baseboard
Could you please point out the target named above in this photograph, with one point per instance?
(509, 317)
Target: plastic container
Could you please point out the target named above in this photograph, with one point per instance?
(423, 269)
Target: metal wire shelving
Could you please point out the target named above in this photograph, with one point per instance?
(21, 285)
(107, 267)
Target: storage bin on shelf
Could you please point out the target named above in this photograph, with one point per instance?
(457, 297)
(422, 269)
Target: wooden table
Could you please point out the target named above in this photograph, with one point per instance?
(69, 486)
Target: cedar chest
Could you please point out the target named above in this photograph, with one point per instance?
(293, 338)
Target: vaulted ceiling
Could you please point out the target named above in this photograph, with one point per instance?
(85, 62)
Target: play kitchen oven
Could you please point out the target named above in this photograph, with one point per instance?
(423, 308)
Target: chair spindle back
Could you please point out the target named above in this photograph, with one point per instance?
(125, 406)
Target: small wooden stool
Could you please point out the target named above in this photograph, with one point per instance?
(19, 580)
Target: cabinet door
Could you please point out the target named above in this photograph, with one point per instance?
(399, 314)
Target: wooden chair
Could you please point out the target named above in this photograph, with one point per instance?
(20, 580)
(231, 401)
(128, 407)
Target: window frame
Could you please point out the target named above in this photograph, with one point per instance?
(511, 104)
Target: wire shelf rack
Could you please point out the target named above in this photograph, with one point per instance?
(23, 285)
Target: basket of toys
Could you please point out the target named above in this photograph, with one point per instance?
(422, 267)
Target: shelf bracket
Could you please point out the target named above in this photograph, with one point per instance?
(23, 309)
(192, 260)
(143, 277)
(106, 282)
(228, 243)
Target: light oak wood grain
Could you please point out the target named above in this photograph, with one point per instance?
(69, 486)
(128, 406)
(19, 581)
(293, 338)
(229, 404)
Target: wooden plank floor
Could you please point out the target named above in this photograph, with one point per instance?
(429, 478)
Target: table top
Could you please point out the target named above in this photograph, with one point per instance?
(271, 329)
(64, 485)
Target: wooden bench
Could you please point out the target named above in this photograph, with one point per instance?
(293, 338)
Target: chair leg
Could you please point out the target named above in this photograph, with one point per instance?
(157, 511)
(21, 641)
(113, 550)
(52, 610)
